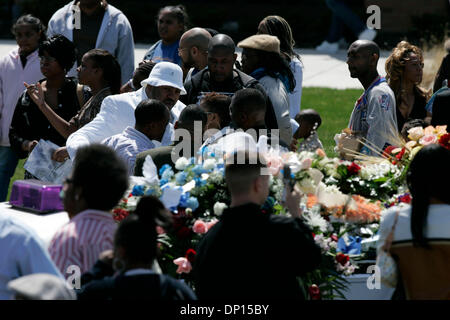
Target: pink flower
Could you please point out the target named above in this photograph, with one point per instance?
(160, 230)
(211, 223)
(306, 164)
(274, 164)
(441, 130)
(320, 153)
(428, 130)
(415, 133)
(200, 227)
(183, 265)
(428, 139)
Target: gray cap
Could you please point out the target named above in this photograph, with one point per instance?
(42, 286)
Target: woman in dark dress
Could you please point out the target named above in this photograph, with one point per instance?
(29, 124)
(404, 71)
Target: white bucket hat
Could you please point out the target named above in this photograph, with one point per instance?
(165, 74)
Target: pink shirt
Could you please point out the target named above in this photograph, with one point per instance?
(12, 77)
(82, 239)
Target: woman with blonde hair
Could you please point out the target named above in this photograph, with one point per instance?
(404, 71)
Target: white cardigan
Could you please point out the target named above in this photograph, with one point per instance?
(115, 36)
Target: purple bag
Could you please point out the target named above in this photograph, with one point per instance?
(36, 195)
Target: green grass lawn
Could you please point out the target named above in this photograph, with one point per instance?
(334, 106)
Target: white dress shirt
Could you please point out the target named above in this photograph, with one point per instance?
(129, 144)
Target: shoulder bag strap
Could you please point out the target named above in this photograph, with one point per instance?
(390, 237)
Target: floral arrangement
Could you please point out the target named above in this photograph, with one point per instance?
(418, 138)
(340, 204)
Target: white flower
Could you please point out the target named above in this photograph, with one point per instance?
(322, 242)
(349, 270)
(219, 207)
(215, 177)
(315, 220)
(209, 164)
(333, 245)
(182, 163)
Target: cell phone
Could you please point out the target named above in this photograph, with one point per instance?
(287, 180)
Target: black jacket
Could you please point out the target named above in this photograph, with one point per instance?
(201, 82)
(134, 287)
(250, 254)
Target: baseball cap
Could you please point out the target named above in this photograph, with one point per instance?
(165, 74)
(263, 42)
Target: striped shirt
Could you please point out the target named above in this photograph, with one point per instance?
(129, 144)
(82, 239)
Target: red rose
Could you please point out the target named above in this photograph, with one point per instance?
(313, 235)
(400, 154)
(190, 255)
(388, 150)
(342, 258)
(353, 169)
(406, 198)
(183, 232)
(314, 292)
(444, 141)
(119, 214)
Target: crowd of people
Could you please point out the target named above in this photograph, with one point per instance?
(110, 118)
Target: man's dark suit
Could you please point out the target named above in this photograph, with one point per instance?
(254, 255)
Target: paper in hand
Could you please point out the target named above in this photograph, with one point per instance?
(41, 165)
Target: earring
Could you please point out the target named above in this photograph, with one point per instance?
(118, 264)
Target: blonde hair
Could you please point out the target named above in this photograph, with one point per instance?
(395, 67)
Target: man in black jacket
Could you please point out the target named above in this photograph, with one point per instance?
(250, 254)
(220, 76)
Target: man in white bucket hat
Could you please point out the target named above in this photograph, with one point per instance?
(165, 83)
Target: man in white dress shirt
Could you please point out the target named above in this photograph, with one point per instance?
(152, 117)
(165, 84)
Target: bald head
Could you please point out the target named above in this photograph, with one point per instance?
(195, 37)
(367, 46)
(221, 58)
(362, 60)
(223, 42)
